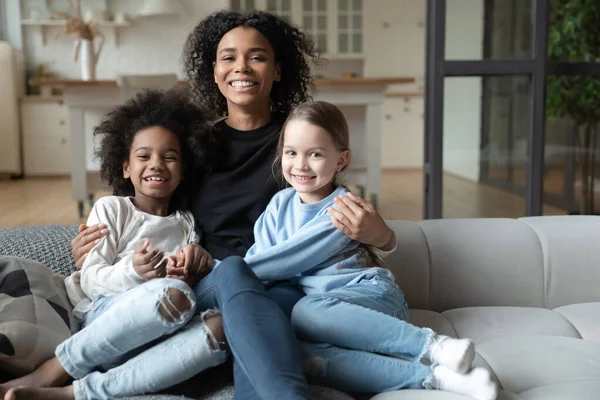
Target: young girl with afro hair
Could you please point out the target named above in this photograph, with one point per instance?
(137, 321)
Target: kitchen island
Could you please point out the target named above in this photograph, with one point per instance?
(359, 98)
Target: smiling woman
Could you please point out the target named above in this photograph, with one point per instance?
(246, 70)
(287, 48)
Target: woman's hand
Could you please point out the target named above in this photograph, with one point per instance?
(191, 264)
(88, 237)
(149, 264)
(361, 222)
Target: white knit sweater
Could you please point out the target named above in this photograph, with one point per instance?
(108, 268)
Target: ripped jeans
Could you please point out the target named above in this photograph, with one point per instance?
(358, 338)
(141, 349)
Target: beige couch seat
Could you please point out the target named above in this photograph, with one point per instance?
(527, 291)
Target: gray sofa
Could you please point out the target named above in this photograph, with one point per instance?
(526, 291)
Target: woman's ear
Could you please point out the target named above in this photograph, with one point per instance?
(214, 64)
(126, 172)
(277, 77)
(343, 160)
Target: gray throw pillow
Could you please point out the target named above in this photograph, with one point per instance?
(35, 314)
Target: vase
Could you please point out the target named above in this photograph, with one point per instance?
(87, 59)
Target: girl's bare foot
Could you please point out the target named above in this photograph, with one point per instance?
(26, 393)
(49, 374)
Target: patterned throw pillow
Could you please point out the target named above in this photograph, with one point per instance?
(35, 314)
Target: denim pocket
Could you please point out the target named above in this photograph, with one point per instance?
(402, 313)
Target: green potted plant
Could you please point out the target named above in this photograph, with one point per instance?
(574, 36)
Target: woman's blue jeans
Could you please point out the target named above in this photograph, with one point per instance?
(266, 353)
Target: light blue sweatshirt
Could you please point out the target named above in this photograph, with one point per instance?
(298, 242)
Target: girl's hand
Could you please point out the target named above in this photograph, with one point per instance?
(361, 222)
(192, 263)
(149, 264)
(88, 237)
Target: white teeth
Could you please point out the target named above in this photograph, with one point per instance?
(239, 84)
(155, 178)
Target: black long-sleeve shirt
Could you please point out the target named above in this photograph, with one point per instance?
(239, 188)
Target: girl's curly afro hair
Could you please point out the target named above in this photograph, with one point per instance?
(171, 110)
(292, 49)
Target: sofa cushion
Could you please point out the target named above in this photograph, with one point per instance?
(48, 244)
(580, 390)
(468, 268)
(585, 318)
(527, 362)
(571, 253)
(413, 394)
(35, 314)
(431, 319)
(483, 324)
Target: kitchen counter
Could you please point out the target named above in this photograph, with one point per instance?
(360, 99)
(319, 82)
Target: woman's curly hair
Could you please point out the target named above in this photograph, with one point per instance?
(291, 46)
(171, 110)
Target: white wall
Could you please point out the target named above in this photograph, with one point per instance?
(11, 28)
(462, 96)
(150, 45)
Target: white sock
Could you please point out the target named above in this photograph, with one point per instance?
(456, 354)
(477, 383)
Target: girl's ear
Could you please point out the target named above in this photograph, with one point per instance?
(126, 173)
(277, 77)
(343, 160)
(214, 64)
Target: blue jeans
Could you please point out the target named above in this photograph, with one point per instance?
(267, 356)
(342, 331)
(126, 335)
(358, 338)
(286, 295)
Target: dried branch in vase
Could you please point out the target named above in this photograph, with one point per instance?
(77, 28)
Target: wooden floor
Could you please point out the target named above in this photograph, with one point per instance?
(48, 200)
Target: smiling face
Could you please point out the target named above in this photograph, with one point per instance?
(310, 160)
(154, 167)
(245, 68)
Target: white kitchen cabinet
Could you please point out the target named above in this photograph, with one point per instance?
(336, 26)
(45, 137)
(402, 132)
